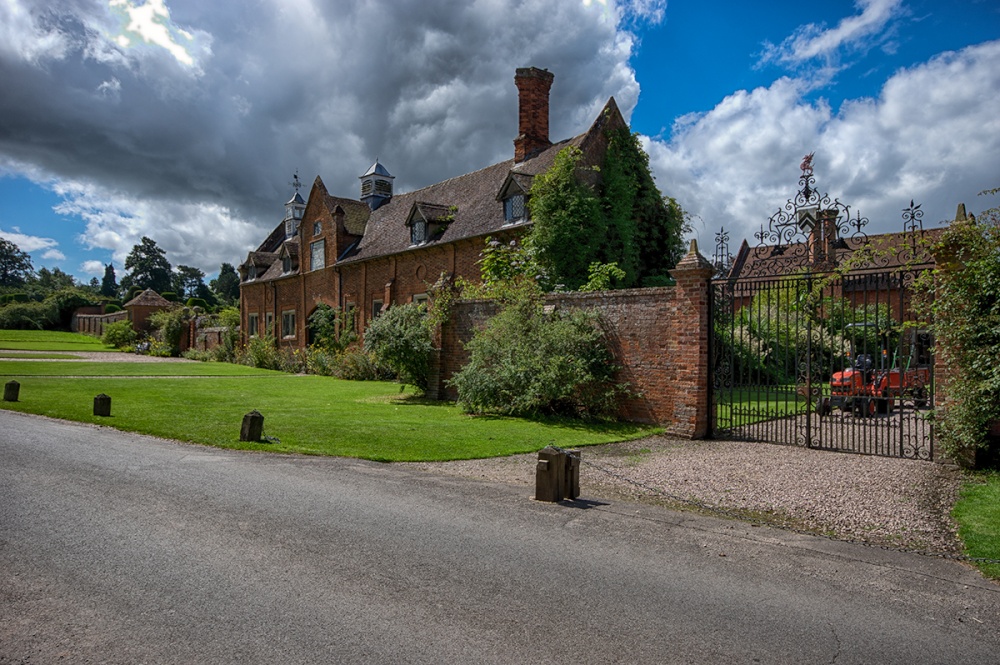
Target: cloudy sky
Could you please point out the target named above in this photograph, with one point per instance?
(185, 120)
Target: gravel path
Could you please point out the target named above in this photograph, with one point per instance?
(99, 356)
(880, 500)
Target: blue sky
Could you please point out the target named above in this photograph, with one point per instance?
(184, 121)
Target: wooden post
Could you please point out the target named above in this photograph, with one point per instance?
(11, 390)
(550, 475)
(253, 426)
(102, 405)
(572, 483)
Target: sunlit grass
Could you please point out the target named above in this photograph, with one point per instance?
(49, 340)
(307, 414)
(978, 515)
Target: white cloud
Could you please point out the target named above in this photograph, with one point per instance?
(151, 23)
(92, 268)
(822, 49)
(28, 243)
(53, 255)
(932, 135)
(29, 34)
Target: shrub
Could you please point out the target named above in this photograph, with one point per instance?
(170, 325)
(400, 340)
(228, 318)
(197, 302)
(119, 335)
(331, 329)
(526, 362)
(964, 306)
(260, 352)
(29, 316)
(111, 308)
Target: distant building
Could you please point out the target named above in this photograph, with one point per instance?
(385, 248)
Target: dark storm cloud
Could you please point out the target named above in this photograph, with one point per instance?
(144, 138)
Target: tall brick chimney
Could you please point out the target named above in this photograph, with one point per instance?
(533, 111)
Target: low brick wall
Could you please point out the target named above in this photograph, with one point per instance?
(93, 324)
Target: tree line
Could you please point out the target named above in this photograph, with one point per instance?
(146, 267)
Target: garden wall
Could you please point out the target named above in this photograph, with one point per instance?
(659, 336)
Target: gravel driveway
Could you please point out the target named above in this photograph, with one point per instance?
(880, 500)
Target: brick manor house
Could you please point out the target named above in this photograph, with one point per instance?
(384, 248)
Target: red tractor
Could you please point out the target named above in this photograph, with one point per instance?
(865, 390)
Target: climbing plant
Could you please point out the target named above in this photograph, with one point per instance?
(612, 213)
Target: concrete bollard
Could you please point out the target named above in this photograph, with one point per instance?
(102, 405)
(253, 426)
(557, 475)
(11, 390)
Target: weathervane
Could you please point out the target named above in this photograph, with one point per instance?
(296, 183)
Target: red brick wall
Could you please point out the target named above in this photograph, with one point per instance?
(659, 336)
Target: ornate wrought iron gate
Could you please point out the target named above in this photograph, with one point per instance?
(816, 339)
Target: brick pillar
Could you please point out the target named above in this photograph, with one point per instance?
(533, 111)
(694, 328)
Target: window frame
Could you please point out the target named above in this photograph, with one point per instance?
(509, 208)
(321, 246)
(253, 324)
(418, 222)
(288, 321)
(381, 307)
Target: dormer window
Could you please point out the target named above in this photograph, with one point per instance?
(286, 265)
(418, 232)
(514, 209)
(317, 228)
(251, 272)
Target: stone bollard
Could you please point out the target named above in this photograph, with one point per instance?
(557, 475)
(253, 426)
(102, 405)
(11, 390)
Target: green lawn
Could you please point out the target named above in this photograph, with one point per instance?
(978, 515)
(747, 405)
(308, 414)
(48, 340)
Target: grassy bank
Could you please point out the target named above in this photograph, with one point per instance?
(978, 515)
(205, 403)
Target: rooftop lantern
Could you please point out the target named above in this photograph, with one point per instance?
(294, 209)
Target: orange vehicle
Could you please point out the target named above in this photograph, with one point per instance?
(865, 390)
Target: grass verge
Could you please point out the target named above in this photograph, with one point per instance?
(978, 515)
(308, 414)
(49, 340)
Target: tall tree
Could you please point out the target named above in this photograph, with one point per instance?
(188, 282)
(54, 280)
(227, 285)
(15, 265)
(109, 284)
(148, 267)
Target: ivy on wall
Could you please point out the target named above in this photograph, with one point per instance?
(623, 219)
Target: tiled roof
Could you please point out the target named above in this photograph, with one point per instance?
(470, 202)
(148, 298)
(888, 251)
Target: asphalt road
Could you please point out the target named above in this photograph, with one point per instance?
(125, 549)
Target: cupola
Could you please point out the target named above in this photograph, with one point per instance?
(376, 185)
(294, 210)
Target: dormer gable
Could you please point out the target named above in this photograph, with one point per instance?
(289, 258)
(513, 195)
(428, 221)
